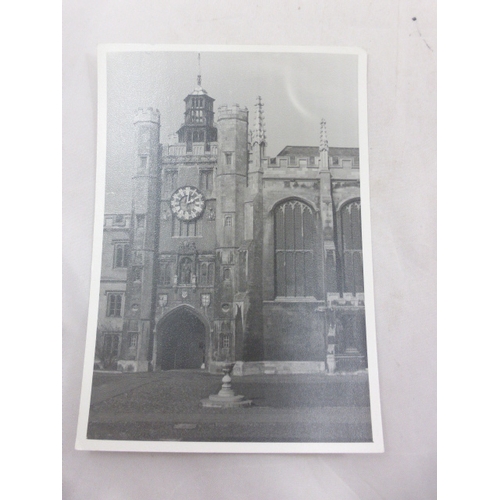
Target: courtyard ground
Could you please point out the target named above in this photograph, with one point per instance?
(286, 408)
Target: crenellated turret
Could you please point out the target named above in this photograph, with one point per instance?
(230, 183)
(231, 176)
(232, 125)
(137, 343)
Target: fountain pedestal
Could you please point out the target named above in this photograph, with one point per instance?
(226, 398)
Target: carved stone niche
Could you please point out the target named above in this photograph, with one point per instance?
(225, 256)
(187, 248)
(186, 270)
(210, 213)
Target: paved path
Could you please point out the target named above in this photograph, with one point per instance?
(166, 406)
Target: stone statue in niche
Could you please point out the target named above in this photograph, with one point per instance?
(185, 271)
(210, 214)
(162, 300)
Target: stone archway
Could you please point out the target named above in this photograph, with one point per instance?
(182, 339)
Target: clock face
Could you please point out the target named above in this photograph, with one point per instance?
(187, 203)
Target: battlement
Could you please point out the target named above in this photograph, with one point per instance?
(117, 221)
(147, 115)
(233, 112)
(198, 149)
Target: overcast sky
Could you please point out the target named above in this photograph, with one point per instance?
(297, 89)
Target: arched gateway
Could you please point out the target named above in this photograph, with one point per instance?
(181, 340)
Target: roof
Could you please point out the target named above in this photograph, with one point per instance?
(198, 90)
(314, 151)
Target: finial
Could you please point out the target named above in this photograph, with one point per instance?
(199, 70)
(259, 132)
(323, 139)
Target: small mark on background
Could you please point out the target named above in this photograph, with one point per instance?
(185, 426)
(420, 34)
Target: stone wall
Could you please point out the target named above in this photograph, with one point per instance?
(294, 331)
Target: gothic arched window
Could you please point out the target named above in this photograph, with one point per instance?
(206, 273)
(352, 253)
(295, 245)
(121, 255)
(165, 273)
(185, 228)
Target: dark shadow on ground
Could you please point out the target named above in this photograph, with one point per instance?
(286, 408)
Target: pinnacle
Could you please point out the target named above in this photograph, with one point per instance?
(259, 132)
(323, 138)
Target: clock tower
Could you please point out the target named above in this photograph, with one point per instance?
(186, 267)
(199, 296)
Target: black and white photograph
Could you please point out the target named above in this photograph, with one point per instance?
(231, 305)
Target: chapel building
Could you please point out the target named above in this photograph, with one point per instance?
(228, 255)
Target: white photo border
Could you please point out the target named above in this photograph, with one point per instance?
(82, 442)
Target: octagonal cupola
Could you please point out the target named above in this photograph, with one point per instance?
(198, 126)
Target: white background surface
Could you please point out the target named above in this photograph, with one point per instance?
(402, 140)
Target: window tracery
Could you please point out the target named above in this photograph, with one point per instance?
(352, 253)
(295, 244)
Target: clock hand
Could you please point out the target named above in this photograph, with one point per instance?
(195, 199)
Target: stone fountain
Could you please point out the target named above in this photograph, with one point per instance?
(226, 398)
